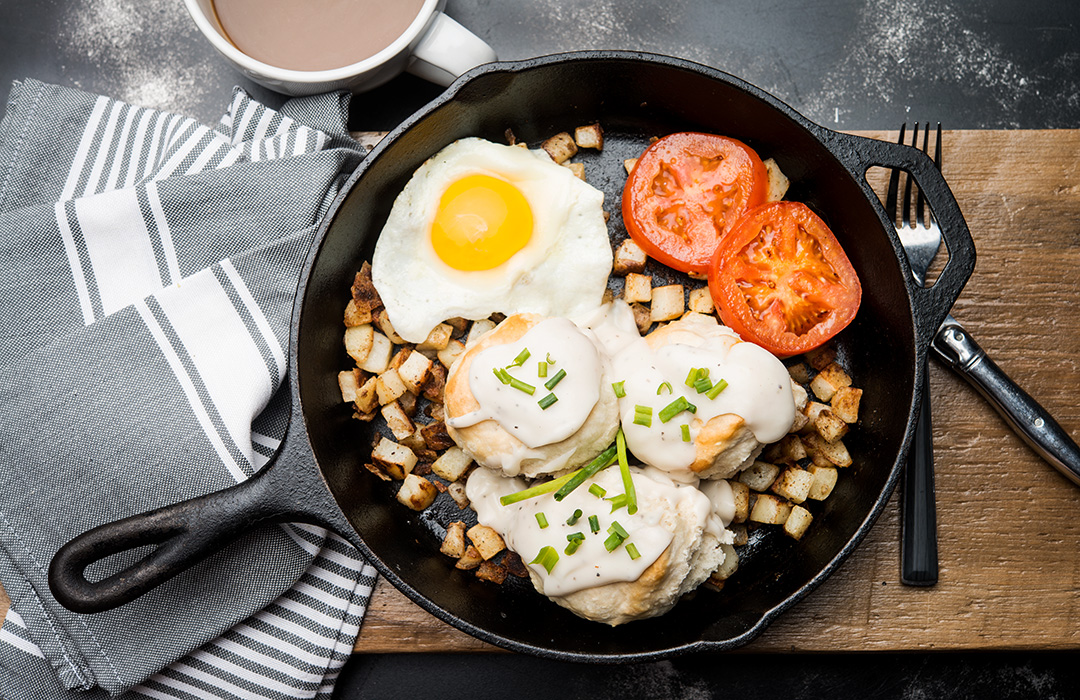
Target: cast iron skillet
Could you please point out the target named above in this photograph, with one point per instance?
(318, 476)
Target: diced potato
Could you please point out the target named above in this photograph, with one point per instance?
(416, 492)
(797, 521)
(457, 492)
(356, 316)
(828, 380)
(409, 403)
(667, 303)
(364, 295)
(490, 571)
(389, 387)
(845, 403)
(800, 372)
(629, 164)
(382, 321)
(414, 442)
(415, 371)
(470, 560)
(514, 565)
(402, 353)
(394, 459)
(742, 536)
(642, 317)
(820, 357)
(629, 257)
(589, 136)
(359, 341)
(769, 509)
(349, 383)
(742, 501)
(452, 464)
(451, 352)
(379, 472)
(813, 409)
(379, 358)
(759, 475)
(560, 147)
(638, 288)
(800, 422)
(778, 181)
(438, 337)
(487, 541)
(829, 426)
(478, 329)
(792, 449)
(435, 411)
(825, 453)
(701, 300)
(458, 324)
(367, 396)
(800, 396)
(434, 387)
(436, 436)
(453, 545)
(397, 420)
(823, 483)
(577, 168)
(793, 484)
(728, 566)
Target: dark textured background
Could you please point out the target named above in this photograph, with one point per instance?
(848, 64)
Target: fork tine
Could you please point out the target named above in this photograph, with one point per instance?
(906, 213)
(894, 183)
(920, 201)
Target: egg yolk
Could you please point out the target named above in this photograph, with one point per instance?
(481, 222)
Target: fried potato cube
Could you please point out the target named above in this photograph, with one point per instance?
(637, 288)
(741, 493)
(438, 337)
(414, 372)
(800, 372)
(701, 301)
(452, 464)
(436, 436)
(470, 560)
(451, 352)
(478, 329)
(771, 510)
(825, 453)
(759, 475)
(397, 420)
(589, 136)
(389, 387)
(740, 533)
(400, 356)
(379, 472)
(792, 449)
(382, 322)
(800, 396)
(667, 302)
(458, 324)
(416, 492)
(356, 316)
(629, 164)
(778, 181)
(797, 521)
(487, 541)
(514, 565)
(490, 571)
(359, 341)
(414, 442)
(642, 317)
(560, 147)
(793, 484)
(828, 380)
(378, 359)
(457, 492)
(367, 396)
(349, 384)
(727, 567)
(823, 483)
(629, 257)
(813, 409)
(435, 387)
(395, 459)
(577, 168)
(829, 426)
(364, 294)
(821, 356)
(845, 403)
(453, 544)
(799, 423)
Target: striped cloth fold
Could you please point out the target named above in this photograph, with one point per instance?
(148, 266)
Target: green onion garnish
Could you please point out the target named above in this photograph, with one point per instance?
(521, 357)
(597, 490)
(547, 400)
(574, 518)
(547, 558)
(571, 547)
(502, 374)
(549, 360)
(541, 520)
(550, 384)
(618, 502)
(675, 407)
(541, 369)
(594, 523)
(612, 541)
(620, 391)
(539, 489)
(717, 388)
(631, 549)
(665, 385)
(521, 386)
(702, 385)
(685, 432)
(616, 527)
(624, 469)
(692, 376)
(603, 460)
(643, 415)
(576, 537)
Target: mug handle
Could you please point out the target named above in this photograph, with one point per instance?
(446, 51)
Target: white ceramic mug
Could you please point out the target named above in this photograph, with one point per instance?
(434, 47)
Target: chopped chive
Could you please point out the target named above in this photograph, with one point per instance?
(547, 558)
(643, 415)
(521, 386)
(620, 390)
(603, 460)
(597, 490)
(624, 469)
(538, 490)
(571, 547)
(685, 432)
(675, 407)
(575, 537)
(665, 385)
(612, 542)
(618, 502)
(521, 357)
(547, 401)
(541, 369)
(549, 360)
(631, 549)
(574, 518)
(594, 523)
(617, 528)
(550, 384)
(717, 388)
(541, 520)
(702, 385)
(502, 374)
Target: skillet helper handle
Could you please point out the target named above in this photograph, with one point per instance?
(1024, 414)
(918, 543)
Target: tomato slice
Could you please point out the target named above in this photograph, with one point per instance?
(686, 191)
(780, 279)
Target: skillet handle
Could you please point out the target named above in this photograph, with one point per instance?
(184, 533)
(930, 304)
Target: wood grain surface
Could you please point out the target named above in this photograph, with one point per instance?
(1009, 525)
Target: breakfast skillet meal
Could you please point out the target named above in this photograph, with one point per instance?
(615, 450)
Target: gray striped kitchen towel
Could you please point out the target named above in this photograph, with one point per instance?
(148, 266)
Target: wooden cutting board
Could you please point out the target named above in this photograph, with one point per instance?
(1008, 524)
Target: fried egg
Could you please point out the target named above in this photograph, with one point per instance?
(483, 228)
